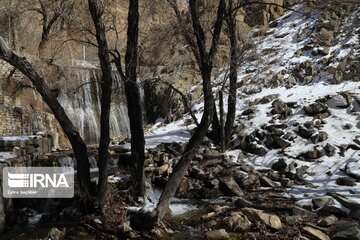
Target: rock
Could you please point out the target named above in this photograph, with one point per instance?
(97, 221)
(315, 233)
(251, 182)
(196, 172)
(299, 211)
(345, 230)
(306, 132)
(322, 202)
(229, 187)
(346, 181)
(125, 227)
(248, 111)
(219, 234)
(281, 142)
(270, 220)
(243, 203)
(286, 182)
(184, 187)
(56, 234)
(350, 204)
(333, 209)
(280, 165)
(301, 172)
(238, 222)
(293, 220)
(327, 221)
(212, 183)
(257, 149)
(279, 107)
(330, 150)
(325, 37)
(352, 169)
(267, 182)
(316, 109)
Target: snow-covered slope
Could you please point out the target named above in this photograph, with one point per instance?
(291, 69)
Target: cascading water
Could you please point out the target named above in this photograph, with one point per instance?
(82, 104)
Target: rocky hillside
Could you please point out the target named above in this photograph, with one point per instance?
(293, 170)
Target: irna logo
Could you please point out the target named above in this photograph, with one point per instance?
(35, 180)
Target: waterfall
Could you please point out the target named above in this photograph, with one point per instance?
(82, 103)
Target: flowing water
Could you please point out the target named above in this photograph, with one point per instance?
(82, 103)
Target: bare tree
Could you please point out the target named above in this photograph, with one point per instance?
(97, 12)
(133, 97)
(204, 58)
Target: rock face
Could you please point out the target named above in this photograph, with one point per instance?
(159, 100)
(270, 220)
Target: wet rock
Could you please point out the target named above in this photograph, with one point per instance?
(345, 230)
(56, 234)
(229, 187)
(322, 202)
(280, 165)
(327, 221)
(219, 234)
(237, 222)
(315, 233)
(346, 181)
(270, 220)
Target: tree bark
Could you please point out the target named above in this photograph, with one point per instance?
(106, 83)
(77, 143)
(205, 62)
(133, 98)
(230, 117)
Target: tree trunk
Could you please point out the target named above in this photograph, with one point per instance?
(215, 134)
(222, 132)
(134, 99)
(205, 62)
(194, 143)
(77, 143)
(230, 118)
(106, 83)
